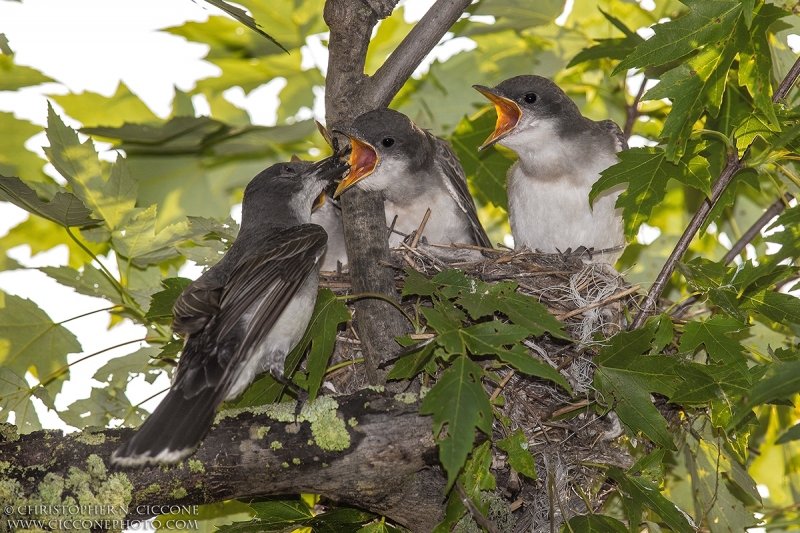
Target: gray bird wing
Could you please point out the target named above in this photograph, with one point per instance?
(458, 189)
(257, 291)
(611, 127)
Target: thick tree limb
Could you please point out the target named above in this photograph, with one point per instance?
(348, 93)
(733, 165)
(389, 466)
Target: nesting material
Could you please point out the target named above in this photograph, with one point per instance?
(564, 433)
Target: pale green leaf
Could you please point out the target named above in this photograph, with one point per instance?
(93, 109)
(13, 77)
(31, 341)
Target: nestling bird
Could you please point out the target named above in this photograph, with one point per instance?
(561, 154)
(415, 171)
(245, 314)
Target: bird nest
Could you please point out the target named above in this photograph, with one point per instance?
(565, 435)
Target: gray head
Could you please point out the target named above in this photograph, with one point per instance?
(284, 194)
(528, 103)
(384, 140)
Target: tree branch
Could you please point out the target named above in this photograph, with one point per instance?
(733, 165)
(419, 42)
(349, 93)
(389, 466)
(748, 236)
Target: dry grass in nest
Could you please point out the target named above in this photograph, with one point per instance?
(564, 433)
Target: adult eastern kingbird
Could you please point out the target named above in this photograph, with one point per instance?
(416, 171)
(328, 214)
(245, 314)
(561, 154)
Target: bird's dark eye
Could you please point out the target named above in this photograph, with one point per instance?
(387, 142)
(530, 98)
(289, 170)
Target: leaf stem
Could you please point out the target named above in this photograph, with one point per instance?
(53, 375)
(343, 364)
(378, 296)
(132, 408)
(89, 313)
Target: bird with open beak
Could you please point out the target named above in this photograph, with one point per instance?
(416, 171)
(244, 314)
(561, 154)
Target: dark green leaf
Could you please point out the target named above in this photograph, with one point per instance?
(458, 404)
(596, 523)
(781, 381)
(519, 358)
(776, 306)
(163, 301)
(714, 334)
(242, 16)
(793, 433)
(329, 312)
(89, 281)
(642, 492)
(755, 61)
(647, 171)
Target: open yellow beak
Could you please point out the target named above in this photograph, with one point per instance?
(363, 160)
(508, 114)
(318, 202)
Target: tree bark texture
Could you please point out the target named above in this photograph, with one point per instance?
(349, 92)
(389, 466)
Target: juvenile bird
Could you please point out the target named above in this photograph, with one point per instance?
(245, 314)
(328, 214)
(561, 154)
(415, 171)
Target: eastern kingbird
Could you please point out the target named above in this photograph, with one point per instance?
(245, 314)
(328, 214)
(415, 171)
(561, 154)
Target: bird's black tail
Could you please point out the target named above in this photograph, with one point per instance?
(172, 432)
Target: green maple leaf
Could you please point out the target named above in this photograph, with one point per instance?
(138, 241)
(15, 397)
(64, 209)
(647, 171)
(708, 21)
(755, 60)
(695, 87)
(596, 523)
(329, 312)
(31, 341)
(642, 493)
(13, 77)
(163, 301)
(114, 198)
(776, 306)
(713, 333)
(458, 404)
(94, 109)
(89, 281)
(781, 381)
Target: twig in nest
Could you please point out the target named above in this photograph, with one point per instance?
(391, 227)
(501, 385)
(608, 300)
(421, 228)
(474, 511)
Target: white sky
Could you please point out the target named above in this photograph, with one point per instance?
(92, 45)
